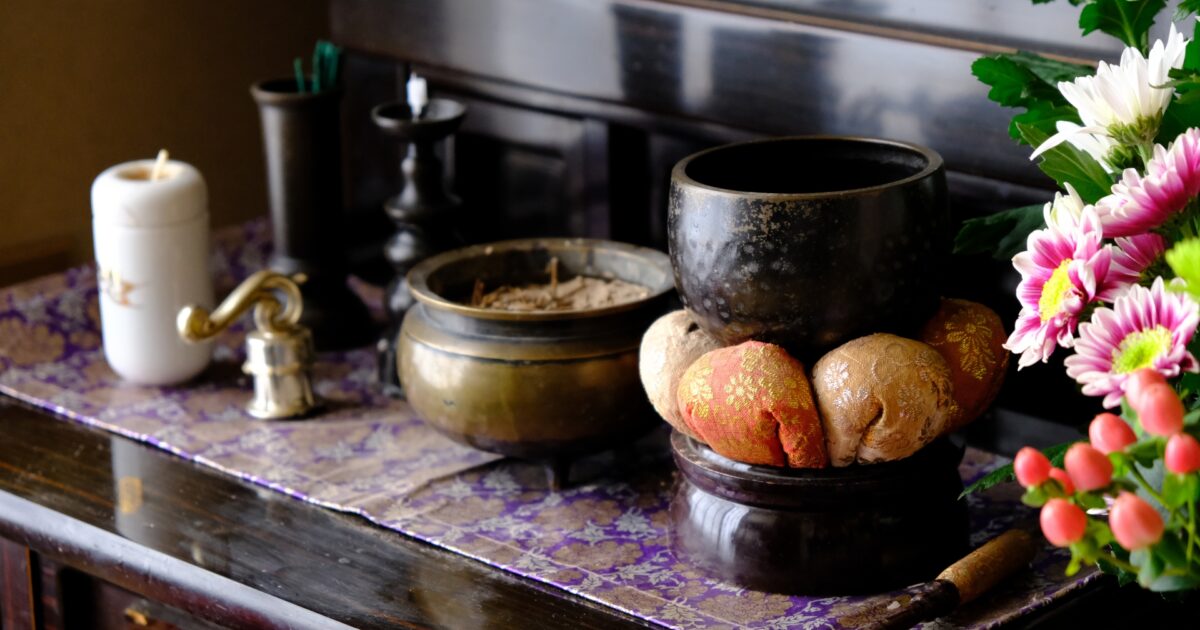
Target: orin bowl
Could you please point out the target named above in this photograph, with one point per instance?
(809, 242)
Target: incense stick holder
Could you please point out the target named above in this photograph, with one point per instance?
(302, 145)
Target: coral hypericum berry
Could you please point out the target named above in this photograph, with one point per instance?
(1063, 480)
(1032, 468)
(1137, 383)
(1062, 522)
(1109, 433)
(1160, 412)
(1135, 524)
(1088, 467)
(1183, 454)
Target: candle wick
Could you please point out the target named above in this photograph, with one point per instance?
(160, 163)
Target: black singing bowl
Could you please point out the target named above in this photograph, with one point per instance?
(829, 531)
(809, 242)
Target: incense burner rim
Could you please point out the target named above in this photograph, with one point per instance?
(419, 276)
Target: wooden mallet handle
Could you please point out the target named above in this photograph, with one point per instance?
(995, 560)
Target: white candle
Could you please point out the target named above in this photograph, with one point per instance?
(418, 95)
(151, 241)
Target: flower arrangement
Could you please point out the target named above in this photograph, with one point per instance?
(1110, 273)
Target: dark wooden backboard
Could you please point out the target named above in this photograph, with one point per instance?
(579, 108)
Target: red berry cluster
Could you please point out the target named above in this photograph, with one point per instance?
(1089, 473)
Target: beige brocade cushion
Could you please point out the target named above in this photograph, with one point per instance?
(882, 398)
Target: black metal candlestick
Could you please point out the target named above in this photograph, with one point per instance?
(423, 211)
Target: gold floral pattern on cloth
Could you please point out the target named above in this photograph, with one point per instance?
(606, 539)
(24, 344)
(599, 555)
(749, 606)
(882, 398)
(752, 403)
(970, 337)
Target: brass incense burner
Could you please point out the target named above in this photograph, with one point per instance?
(279, 352)
(541, 385)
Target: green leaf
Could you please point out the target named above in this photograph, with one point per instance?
(1127, 20)
(1121, 463)
(1022, 78)
(1171, 550)
(1057, 453)
(1067, 164)
(1185, 8)
(1013, 84)
(1005, 473)
(1123, 577)
(1144, 452)
(1149, 569)
(1175, 490)
(1169, 583)
(1051, 71)
(1089, 501)
(1099, 532)
(1028, 80)
(1183, 258)
(1003, 234)
(1034, 497)
(1043, 116)
(1001, 475)
(1073, 566)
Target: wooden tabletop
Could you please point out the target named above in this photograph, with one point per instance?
(238, 554)
(244, 556)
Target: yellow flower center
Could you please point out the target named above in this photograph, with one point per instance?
(1054, 292)
(1140, 349)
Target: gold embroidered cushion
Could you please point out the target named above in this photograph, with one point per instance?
(970, 337)
(753, 403)
(882, 398)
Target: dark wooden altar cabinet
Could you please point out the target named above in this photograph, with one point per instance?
(578, 109)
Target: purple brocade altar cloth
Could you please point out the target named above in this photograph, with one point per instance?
(605, 539)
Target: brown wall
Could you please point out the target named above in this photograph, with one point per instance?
(85, 84)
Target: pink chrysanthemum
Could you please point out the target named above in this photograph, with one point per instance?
(1144, 328)
(1062, 271)
(1131, 258)
(1141, 203)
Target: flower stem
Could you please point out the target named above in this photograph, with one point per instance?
(1146, 152)
(1121, 564)
(1191, 529)
(1137, 476)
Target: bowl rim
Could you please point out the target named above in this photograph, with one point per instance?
(934, 163)
(418, 277)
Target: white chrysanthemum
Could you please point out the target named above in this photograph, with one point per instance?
(1065, 213)
(1121, 102)
(1099, 146)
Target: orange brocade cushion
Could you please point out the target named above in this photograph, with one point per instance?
(753, 403)
(970, 337)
